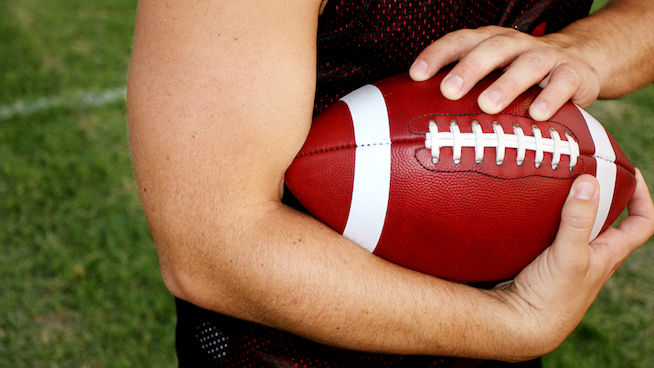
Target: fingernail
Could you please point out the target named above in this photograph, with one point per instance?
(454, 84)
(494, 97)
(539, 111)
(419, 68)
(584, 190)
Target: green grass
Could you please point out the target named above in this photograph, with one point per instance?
(48, 47)
(79, 274)
(79, 279)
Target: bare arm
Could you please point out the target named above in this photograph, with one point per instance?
(619, 41)
(220, 100)
(606, 55)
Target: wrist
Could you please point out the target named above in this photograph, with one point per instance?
(530, 332)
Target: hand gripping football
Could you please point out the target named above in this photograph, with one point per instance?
(441, 187)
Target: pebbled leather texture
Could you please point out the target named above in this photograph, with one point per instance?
(466, 221)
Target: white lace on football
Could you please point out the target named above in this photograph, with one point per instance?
(501, 141)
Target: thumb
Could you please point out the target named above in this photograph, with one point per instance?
(570, 248)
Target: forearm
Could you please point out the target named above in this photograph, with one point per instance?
(618, 42)
(288, 271)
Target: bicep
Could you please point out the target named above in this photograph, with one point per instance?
(220, 98)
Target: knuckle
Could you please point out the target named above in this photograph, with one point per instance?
(488, 31)
(534, 61)
(510, 85)
(499, 43)
(578, 222)
(458, 39)
(566, 75)
(584, 98)
(565, 83)
(586, 93)
(472, 66)
(491, 30)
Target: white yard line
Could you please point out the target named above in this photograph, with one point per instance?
(74, 100)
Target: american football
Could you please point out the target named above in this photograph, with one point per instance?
(443, 188)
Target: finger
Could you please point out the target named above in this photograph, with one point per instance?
(613, 246)
(570, 250)
(564, 83)
(493, 53)
(448, 49)
(527, 70)
(639, 225)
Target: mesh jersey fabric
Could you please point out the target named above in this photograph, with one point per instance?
(360, 41)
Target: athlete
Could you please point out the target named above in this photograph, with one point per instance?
(220, 98)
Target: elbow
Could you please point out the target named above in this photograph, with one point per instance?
(199, 279)
(201, 257)
(175, 273)
(188, 284)
(179, 264)
(212, 295)
(175, 281)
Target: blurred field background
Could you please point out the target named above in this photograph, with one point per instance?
(79, 278)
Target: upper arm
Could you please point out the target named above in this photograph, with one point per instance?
(220, 97)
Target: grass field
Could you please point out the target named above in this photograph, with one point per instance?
(79, 279)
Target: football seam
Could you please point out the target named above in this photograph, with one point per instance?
(606, 159)
(353, 146)
(615, 162)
